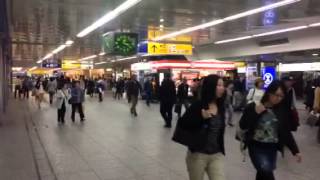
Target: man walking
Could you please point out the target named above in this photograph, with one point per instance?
(77, 98)
(167, 100)
(183, 90)
(133, 90)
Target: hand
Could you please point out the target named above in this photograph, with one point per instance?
(206, 114)
(298, 157)
(260, 108)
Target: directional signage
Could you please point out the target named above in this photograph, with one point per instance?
(161, 48)
(70, 65)
(154, 32)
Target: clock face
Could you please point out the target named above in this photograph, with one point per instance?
(125, 44)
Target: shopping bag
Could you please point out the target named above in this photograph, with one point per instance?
(312, 119)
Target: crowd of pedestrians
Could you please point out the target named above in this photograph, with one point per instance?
(269, 114)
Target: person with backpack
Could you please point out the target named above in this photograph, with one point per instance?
(255, 94)
(268, 131)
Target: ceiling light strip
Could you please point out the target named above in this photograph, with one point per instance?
(108, 17)
(230, 18)
(264, 34)
(232, 40)
(99, 63)
(89, 57)
(280, 31)
(314, 25)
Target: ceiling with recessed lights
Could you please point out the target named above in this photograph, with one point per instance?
(40, 26)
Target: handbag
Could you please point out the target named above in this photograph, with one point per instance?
(189, 138)
(312, 119)
(177, 108)
(295, 120)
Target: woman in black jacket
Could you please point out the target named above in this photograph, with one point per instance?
(267, 131)
(202, 129)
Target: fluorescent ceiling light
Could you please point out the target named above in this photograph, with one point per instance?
(161, 26)
(315, 54)
(230, 18)
(314, 25)
(161, 20)
(190, 29)
(108, 17)
(89, 57)
(33, 68)
(69, 43)
(263, 34)
(40, 61)
(100, 63)
(60, 48)
(281, 31)
(47, 56)
(123, 59)
(234, 39)
(16, 68)
(102, 54)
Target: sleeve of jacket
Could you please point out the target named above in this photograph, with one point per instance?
(250, 95)
(192, 119)
(288, 138)
(248, 117)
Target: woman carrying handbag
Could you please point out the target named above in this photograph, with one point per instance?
(61, 102)
(202, 129)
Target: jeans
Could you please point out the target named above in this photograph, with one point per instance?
(198, 164)
(134, 102)
(61, 113)
(166, 112)
(79, 107)
(229, 112)
(148, 98)
(51, 94)
(264, 160)
(185, 103)
(100, 97)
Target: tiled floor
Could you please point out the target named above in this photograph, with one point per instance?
(113, 145)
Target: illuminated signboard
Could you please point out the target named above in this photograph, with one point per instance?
(269, 17)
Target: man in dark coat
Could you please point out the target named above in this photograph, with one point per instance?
(167, 100)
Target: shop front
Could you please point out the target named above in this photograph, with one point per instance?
(180, 69)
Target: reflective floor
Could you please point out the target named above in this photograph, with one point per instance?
(113, 145)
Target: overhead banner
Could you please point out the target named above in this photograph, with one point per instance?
(172, 49)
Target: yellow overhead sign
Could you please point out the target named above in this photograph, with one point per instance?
(154, 32)
(70, 65)
(161, 48)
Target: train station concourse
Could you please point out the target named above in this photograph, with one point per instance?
(159, 89)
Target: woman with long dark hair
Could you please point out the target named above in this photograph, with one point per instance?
(268, 131)
(202, 129)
